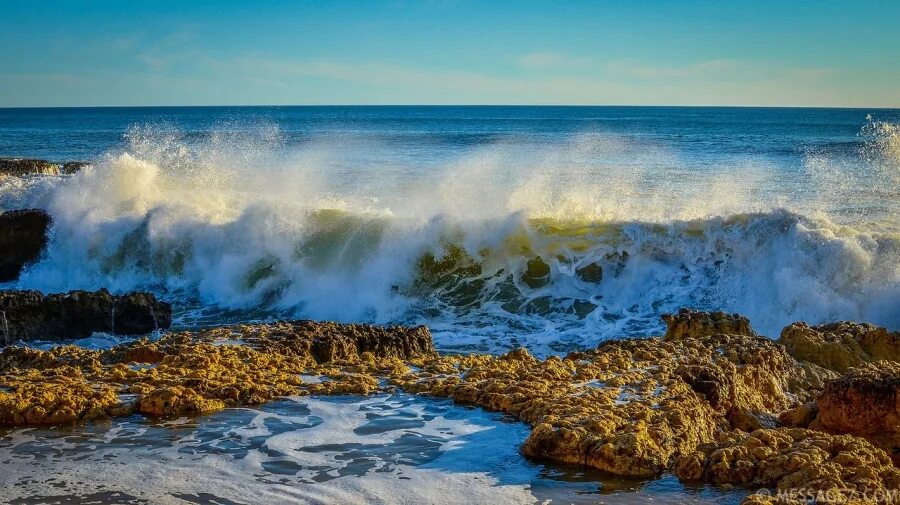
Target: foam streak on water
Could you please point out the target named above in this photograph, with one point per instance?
(380, 449)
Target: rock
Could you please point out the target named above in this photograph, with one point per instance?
(327, 341)
(57, 395)
(864, 402)
(31, 315)
(537, 273)
(72, 167)
(177, 400)
(799, 417)
(19, 167)
(689, 323)
(23, 236)
(839, 346)
(791, 459)
(191, 373)
(632, 407)
(592, 272)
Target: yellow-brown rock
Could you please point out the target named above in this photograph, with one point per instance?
(864, 402)
(687, 323)
(791, 458)
(177, 400)
(839, 346)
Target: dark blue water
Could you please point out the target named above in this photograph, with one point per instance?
(65, 134)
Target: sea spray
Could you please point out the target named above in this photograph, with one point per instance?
(254, 229)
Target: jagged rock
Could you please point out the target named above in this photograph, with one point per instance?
(177, 400)
(19, 167)
(689, 323)
(537, 273)
(328, 341)
(839, 346)
(632, 407)
(23, 236)
(192, 372)
(864, 402)
(791, 458)
(800, 416)
(31, 315)
(592, 272)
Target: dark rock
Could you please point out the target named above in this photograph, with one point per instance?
(537, 273)
(592, 272)
(23, 235)
(689, 323)
(328, 341)
(19, 167)
(73, 166)
(31, 315)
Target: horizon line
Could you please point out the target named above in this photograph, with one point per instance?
(854, 107)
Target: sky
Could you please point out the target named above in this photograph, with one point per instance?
(635, 52)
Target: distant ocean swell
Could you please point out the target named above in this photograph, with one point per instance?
(486, 268)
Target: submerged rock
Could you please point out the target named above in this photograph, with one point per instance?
(537, 273)
(23, 237)
(689, 323)
(839, 346)
(31, 315)
(592, 272)
(19, 167)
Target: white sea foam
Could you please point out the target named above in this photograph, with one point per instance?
(249, 225)
(381, 449)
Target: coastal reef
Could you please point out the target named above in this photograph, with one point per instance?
(710, 401)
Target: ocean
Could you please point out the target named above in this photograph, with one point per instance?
(553, 228)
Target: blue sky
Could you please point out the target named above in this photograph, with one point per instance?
(799, 53)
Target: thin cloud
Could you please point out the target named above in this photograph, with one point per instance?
(698, 69)
(545, 60)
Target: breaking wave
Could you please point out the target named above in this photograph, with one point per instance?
(556, 253)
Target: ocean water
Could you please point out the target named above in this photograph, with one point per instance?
(438, 215)
(550, 227)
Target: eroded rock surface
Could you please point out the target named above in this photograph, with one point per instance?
(839, 346)
(701, 403)
(18, 167)
(687, 323)
(864, 402)
(31, 315)
(791, 458)
(23, 237)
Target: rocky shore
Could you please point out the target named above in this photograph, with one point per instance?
(710, 401)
